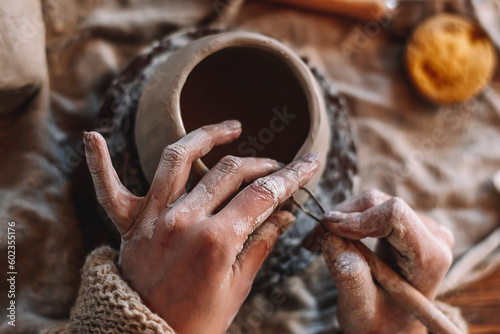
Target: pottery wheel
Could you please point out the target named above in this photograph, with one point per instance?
(116, 124)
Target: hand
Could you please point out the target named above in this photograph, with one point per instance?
(190, 265)
(417, 246)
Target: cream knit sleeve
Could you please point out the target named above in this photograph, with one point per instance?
(106, 304)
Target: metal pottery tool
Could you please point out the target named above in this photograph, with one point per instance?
(403, 292)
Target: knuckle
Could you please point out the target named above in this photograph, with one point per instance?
(395, 212)
(293, 174)
(174, 153)
(211, 240)
(212, 248)
(397, 208)
(268, 188)
(371, 197)
(230, 164)
(175, 221)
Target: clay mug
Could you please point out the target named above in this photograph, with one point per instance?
(234, 75)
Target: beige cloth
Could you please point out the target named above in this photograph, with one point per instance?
(439, 159)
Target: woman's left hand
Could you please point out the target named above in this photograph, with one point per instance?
(190, 262)
(417, 246)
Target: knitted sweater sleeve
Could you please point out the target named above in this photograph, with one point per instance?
(106, 304)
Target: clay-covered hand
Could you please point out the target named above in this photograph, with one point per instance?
(417, 246)
(191, 264)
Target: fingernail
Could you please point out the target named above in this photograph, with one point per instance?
(334, 216)
(310, 157)
(232, 125)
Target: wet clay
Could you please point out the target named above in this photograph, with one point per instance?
(259, 89)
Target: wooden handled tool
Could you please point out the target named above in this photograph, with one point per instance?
(366, 10)
(409, 297)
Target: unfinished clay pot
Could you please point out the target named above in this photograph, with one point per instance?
(234, 75)
(117, 123)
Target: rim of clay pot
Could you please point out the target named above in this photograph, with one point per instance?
(176, 76)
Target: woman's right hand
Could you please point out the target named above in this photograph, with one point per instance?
(191, 265)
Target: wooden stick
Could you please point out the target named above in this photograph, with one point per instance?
(365, 10)
(409, 297)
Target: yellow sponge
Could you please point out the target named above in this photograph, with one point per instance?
(449, 59)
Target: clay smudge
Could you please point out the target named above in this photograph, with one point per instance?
(238, 247)
(405, 256)
(240, 226)
(177, 201)
(169, 222)
(200, 198)
(225, 279)
(145, 230)
(149, 227)
(263, 216)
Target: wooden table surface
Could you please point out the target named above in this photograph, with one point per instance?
(480, 304)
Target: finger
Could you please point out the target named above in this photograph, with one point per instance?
(252, 206)
(119, 203)
(258, 246)
(422, 258)
(175, 164)
(373, 197)
(367, 199)
(357, 293)
(224, 180)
